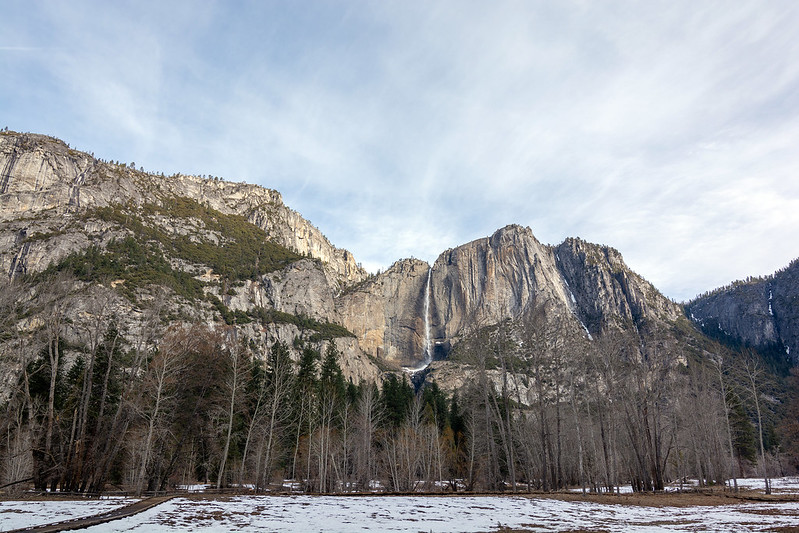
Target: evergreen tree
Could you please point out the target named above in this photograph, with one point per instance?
(743, 430)
(456, 419)
(434, 403)
(331, 379)
(307, 370)
(397, 399)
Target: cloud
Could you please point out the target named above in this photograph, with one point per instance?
(664, 129)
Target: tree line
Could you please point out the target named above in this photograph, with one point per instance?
(543, 409)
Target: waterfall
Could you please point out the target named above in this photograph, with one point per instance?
(428, 341)
(428, 351)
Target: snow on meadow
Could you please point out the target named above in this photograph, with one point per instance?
(412, 514)
(27, 513)
(780, 485)
(443, 514)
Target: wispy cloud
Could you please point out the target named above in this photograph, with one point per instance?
(19, 48)
(665, 129)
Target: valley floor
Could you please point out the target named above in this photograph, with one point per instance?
(560, 512)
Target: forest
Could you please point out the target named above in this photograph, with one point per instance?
(542, 410)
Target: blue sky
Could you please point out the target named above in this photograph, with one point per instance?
(668, 130)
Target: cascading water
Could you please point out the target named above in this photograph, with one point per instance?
(428, 351)
(428, 342)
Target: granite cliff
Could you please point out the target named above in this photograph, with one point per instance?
(206, 250)
(193, 249)
(45, 185)
(761, 313)
(496, 278)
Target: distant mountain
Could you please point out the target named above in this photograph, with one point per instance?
(234, 253)
(760, 313)
(156, 326)
(218, 251)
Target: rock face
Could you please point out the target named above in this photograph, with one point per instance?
(761, 313)
(55, 201)
(494, 278)
(606, 292)
(43, 176)
(300, 288)
(386, 313)
(487, 281)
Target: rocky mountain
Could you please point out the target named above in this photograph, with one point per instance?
(220, 252)
(45, 182)
(761, 313)
(489, 280)
(211, 251)
(133, 306)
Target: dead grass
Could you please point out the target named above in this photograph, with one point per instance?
(670, 499)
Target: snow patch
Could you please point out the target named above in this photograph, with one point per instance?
(411, 514)
(29, 513)
(590, 338)
(573, 309)
(443, 514)
(195, 488)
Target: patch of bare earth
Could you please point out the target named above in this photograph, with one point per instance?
(670, 499)
(534, 528)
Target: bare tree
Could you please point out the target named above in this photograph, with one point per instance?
(158, 384)
(574, 384)
(18, 425)
(368, 417)
(539, 342)
(91, 332)
(753, 373)
(502, 343)
(718, 365)
(117, 424)
(237, 363)
(55, 315)
(278, 383)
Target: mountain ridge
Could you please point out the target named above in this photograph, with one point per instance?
(225, 299)
(57, 201)
(760, 313)
(41, 187)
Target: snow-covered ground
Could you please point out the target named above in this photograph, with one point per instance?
(27, 513)
(413, 514)
(201, 487)
(443, 514)
(780, 485)
(783, 485)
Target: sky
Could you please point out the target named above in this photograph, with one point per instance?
(667, 130)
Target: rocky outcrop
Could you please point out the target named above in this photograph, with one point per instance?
(386, 313)
(300, 289)
(491, 279)
(265, 208)
(39, 173)
(44, 184)
(605, 291)
(761, 313)
(50, 197)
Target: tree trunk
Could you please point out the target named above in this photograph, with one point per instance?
(753, 370)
